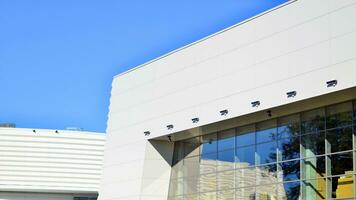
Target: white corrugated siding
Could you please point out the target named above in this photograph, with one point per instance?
(67, 161)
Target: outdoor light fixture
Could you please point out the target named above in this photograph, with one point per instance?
(170, 127)
(195, 120)
(147, 133)
(331, 83)
(269, 113)
(169, 138)
(224, 112)
(34, 130)
(255, 103)
(56, 131)
(291, 94)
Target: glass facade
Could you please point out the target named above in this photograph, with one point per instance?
(85, 198)
(308, 155)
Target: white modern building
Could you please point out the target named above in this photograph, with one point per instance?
(261, 110)
(40, 164)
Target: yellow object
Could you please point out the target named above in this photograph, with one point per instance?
(321, 186)
(345, 187)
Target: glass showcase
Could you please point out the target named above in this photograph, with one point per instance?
(308, 155)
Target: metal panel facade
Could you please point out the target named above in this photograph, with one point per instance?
(296, 47)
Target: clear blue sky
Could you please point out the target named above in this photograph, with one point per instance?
(58, 57)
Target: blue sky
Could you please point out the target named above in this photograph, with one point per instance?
(58, 57)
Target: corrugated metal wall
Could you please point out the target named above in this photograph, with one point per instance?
(46, 161)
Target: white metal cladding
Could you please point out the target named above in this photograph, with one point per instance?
(46, 161)
(273, 52)
(296, 47)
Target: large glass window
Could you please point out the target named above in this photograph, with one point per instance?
(208, 163)
(245, 177)
(339, 139)
(245, 156)
(266, 152)
(226, 195)
(313, 168)
(226, 140)
(226, 180)
(313, 121)
(308, 155)
(245, 193)
(354, 108)
(191, 166)
(226, 160)
(289, 148)
(266, 174)
(339, 115)
(85, 198)
(340, 164)
(245, 136)
(314, 189)
(289, 171)
(266, 131)
(191, 146)
(209, 144)
(313, 144)
(289, 191)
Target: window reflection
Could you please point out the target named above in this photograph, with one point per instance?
(290, 170)
(208, 196)
(191, 197)
(191, 166)
(176, 187)
(313, 121)
(190, 185)
(266, 152)
(245, 136)
(178, 154)
(339, 115)
(191, 147)
(289, 191)
(209, 144)
(342, 186)
(341, 164)
(245, 177)
(313, 144)
(245, 193)
(208, 163)
(266, 174)
(339, 139)
(289, 148)
(288, 126)
(313, 168)
(207, 182)
(226, 195)
(226, 160)
(354, 107)
(226, 140)
(245, 156)
(226, 180)
(302, 156)
(268, 191)
(314, 189)
(266, 131)
(177, 170)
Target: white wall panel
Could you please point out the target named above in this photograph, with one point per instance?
(343, 48)
(337, 4)
(339, 20)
